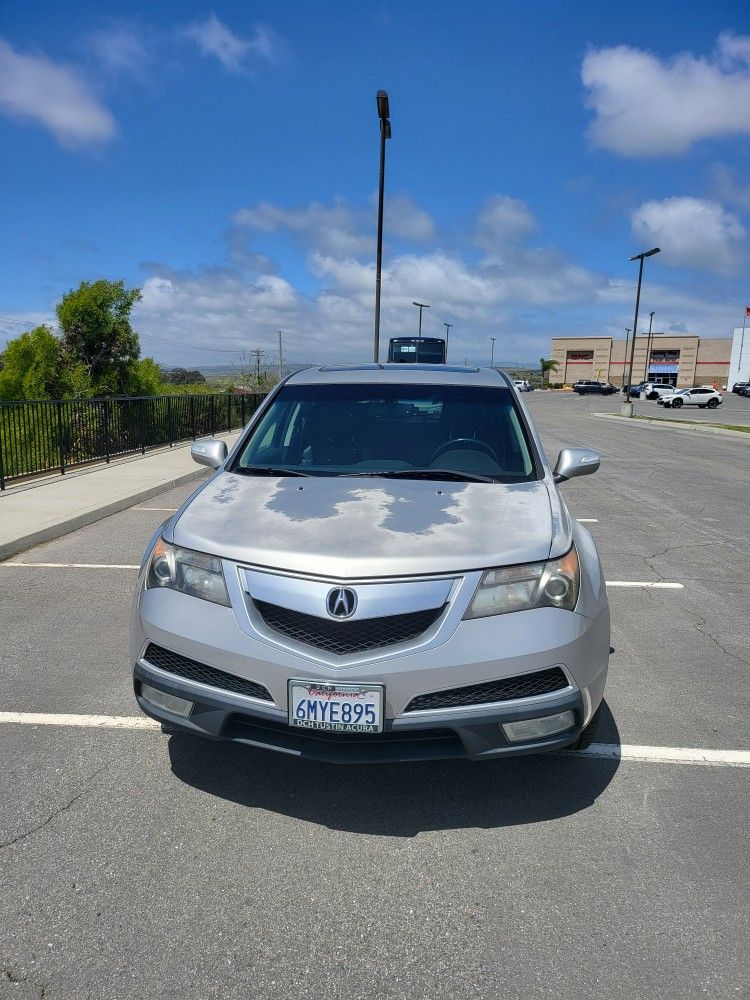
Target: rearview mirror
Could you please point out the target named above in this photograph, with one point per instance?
(572, 462)
(209, 451)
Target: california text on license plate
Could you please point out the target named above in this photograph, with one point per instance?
(343, 708)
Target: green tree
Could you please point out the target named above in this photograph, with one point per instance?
(548, 365)
(31, 367)
(96, 333)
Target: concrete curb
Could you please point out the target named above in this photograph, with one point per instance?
(673, 425)
(60, 528)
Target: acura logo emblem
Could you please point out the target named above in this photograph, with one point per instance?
(341, 602)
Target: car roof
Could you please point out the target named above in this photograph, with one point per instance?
(395, 374)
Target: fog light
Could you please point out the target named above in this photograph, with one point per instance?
(537, 729)
(177, 706)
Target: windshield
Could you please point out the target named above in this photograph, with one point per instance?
(428, 431)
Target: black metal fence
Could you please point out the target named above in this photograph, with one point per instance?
(48, 435)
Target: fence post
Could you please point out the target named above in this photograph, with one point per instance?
(106, 430)
(2, 471)
(242, 409)
(213, 416)
(192, 414)
(169, 421)
(143, 425)
(60, 438)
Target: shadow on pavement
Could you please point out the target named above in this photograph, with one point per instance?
(398, 800)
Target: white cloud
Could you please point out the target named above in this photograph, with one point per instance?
(120, 49)
(647, 106)
(335, 229)
(214, 38)
(33, 88)
(503, 220)
(691, 232)
(728, 188)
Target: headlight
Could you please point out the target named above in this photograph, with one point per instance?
(193, 573)
(553, 584)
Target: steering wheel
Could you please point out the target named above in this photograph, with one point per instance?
(457, 443)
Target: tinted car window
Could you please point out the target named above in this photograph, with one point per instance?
(348, 429)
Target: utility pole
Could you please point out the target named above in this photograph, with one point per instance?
(258, 353)
(281, 360)
(492, 356)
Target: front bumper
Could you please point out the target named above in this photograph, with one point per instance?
(473, 733)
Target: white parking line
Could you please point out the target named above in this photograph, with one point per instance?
(653, 584)
(601, 751)
(587, 520)
(82, 721)
(46, 565)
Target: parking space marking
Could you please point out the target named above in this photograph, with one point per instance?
(601, 751)
(80, 721)
(665, 755)
(652, 584)
(46, 565)
(587, 520)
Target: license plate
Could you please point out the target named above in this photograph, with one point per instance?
(341, 708)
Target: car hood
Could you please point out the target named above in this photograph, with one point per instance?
(348, 528)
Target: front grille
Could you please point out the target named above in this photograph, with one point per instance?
(347, 636)
(183, 666)
(523, 686)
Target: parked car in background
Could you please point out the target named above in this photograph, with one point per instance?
(655, 390)
(585, 386)
(384, 568)
(635, 390)
(702, 396)
(739, 388)
(523, 385)
(744, 390)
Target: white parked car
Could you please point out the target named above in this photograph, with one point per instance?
(655, 390)
(523, 385)
(703, 396)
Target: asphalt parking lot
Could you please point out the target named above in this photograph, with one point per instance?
(733, 409)
(135, 865)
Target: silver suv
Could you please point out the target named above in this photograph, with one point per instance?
(382, 569)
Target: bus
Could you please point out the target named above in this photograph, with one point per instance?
(410, 350)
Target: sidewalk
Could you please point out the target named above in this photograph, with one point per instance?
(33, 514)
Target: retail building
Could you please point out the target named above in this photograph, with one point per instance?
(683, 360)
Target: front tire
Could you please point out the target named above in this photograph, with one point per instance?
(588, 735)
(677, 403)
(712, 404)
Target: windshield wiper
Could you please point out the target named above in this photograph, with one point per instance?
(268, 470)
(438, 474)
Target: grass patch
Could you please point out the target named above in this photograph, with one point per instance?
(744, 428)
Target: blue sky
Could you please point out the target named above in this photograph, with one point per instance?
(224, 158)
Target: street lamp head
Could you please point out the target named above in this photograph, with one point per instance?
(383, 111)
(422, 305)
(646, 253)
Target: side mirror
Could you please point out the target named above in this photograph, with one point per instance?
(210, 452)
(572, 462)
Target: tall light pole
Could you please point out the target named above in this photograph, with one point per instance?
(421, 306)
(447, 336)
(627, 341)
(639, 257)
(385, 133)
(492, 355)
(648, 345)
